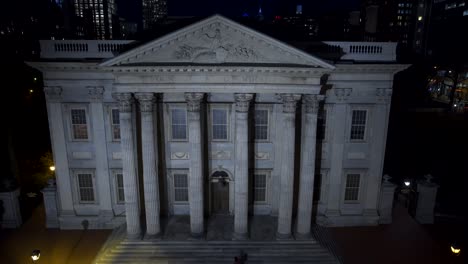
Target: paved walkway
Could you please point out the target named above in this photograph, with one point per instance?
(56, 246)
(404, 241)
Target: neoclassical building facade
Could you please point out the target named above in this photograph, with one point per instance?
(216, 118)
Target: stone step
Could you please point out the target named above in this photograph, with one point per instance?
(221, 242)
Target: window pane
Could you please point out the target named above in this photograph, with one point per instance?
(358, 124)
(180, 188)
(79, 126)
(259, 187)
(220, 125)
(120, 188)
(261, 124)
(352, 187)
(115, 121)
(179, 124)
(85, 186)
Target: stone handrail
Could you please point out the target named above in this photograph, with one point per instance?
(366, 51)
(80, 49)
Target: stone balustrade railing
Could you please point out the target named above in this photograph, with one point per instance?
(365, 51)
(79, 49)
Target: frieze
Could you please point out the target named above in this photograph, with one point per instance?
(180, 156)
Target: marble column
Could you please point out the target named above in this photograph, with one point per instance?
(132, 210)
(307, 170)
(150, 172)
(287, 165)
(242, 166)
(196, 172)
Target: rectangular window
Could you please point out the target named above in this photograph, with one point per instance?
(358, 124)
(352, 187)
(79, 124)
(260, 187)
(180, 188)
(219, 124)
(261, 124)
(120, 188)
(317, 187)
(179, 124)
(85, 187)
(115, 124)
(321, 124)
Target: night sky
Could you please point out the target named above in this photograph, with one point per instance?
(132, 8)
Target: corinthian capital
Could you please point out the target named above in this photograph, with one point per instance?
(53, 93)
(312, 102)
(193, 101)
(290, 102)
(146, 101)
(95, 93)
(125, 101)
(243, 102)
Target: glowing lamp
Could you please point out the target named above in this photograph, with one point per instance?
(52, 168)
(35, 255)
(455, 249)
(407, 183)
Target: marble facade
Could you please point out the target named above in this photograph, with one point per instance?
(217, 64)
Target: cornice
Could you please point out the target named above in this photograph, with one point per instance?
(370, 68)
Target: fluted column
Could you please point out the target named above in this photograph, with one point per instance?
(307, 170)
(242, 166)
(196, 175)
(287, 165)
(150, 173)
(132, 210)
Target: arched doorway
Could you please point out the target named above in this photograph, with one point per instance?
(220, 192)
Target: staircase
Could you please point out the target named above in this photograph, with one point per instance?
(172, 252)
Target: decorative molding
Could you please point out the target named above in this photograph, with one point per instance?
(53, 93)
(117, 155)
(290, 102)
(262, 155)
(384, 94)
(220, 155)
(193, 101)
(312, 102)
(96, 93)
(180, 156)
(125, 101)
(82, 155)
(146, 101)
(356, 155)
(342, 94)
(243, 102)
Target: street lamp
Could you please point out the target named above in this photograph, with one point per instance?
(52, 168)
(455, 249)
(407, 182)
(35, 255)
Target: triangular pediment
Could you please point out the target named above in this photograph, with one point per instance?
(216, 40)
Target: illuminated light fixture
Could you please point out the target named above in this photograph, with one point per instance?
(35, 255)
(31, 91)
(52, 168)
(455, 249)
(35, 79)
(407, 182)
(419, 18)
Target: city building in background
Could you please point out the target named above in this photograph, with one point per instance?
(94, 19)
(154, 11)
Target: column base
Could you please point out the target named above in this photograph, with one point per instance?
(280, 236)
(133, 237)
(306, 236)
(157, 236)
(197, 236)
(240, 236)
